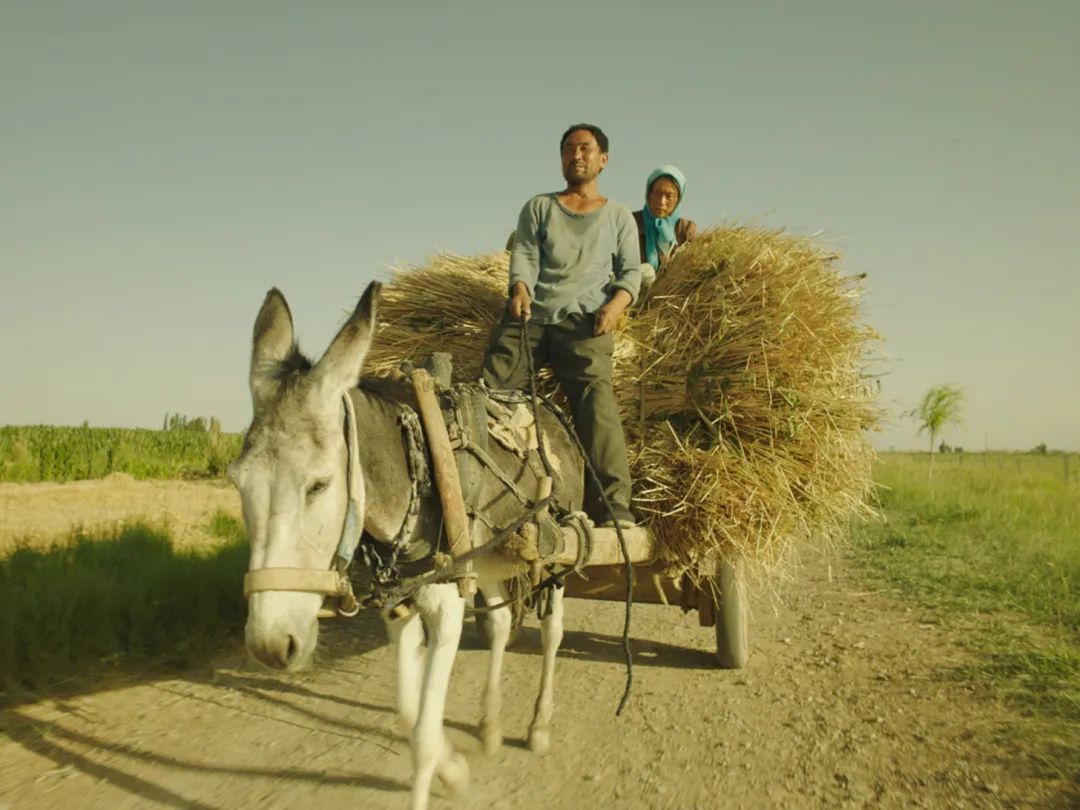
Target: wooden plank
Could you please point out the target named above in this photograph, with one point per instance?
(455, 518)
(706, 609)
(605, 550)
(608, 583)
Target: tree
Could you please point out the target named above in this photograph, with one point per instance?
(177, 421)
(940, 406)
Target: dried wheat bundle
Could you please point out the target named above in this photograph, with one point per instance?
(746, 398)
(448, 305)
(741, 376)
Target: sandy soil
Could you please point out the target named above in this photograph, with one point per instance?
(846, 702)
(37, 514)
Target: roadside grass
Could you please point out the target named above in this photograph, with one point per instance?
(994, 550)
(128, 601)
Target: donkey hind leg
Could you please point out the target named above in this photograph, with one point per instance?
(407, 636)
(551, 634)
(443, 611)
(498, 628)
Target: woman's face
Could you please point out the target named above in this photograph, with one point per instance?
(663, 196)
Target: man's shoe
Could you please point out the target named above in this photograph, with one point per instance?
(623, 516)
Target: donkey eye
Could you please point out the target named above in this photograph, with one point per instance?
(317, 487)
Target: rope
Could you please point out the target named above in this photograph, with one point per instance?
(583, 528)
(493, 468)
(629, 568)
(524, 597)
(548, 469)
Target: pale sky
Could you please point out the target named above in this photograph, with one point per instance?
(164, 164)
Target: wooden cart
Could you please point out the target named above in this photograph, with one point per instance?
(721, 604)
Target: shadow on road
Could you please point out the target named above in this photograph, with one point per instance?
(49, 740)
(586, 646)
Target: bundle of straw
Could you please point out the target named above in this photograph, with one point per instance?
(746, 398)
(741, 376)
(449, 305)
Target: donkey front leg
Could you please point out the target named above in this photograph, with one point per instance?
(407, 637)
(443, 611)
(551, 634)
(498, 624)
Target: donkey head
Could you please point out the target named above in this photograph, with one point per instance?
(292, 471)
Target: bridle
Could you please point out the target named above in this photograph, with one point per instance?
(333, 582)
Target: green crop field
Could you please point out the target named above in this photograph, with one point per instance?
(45, 453)
(991, 546)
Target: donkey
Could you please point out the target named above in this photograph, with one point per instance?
(301, 479)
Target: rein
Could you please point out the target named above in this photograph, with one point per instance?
(628, 567)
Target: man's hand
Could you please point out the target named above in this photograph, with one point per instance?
(608, 315)
(520, 303)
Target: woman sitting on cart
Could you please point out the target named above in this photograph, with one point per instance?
(660, 227)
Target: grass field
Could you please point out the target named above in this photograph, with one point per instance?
(46, 453)
(992, 546)
(96, 605)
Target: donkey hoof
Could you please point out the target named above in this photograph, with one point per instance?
(539, 740)
(453, 772)
(492, 737)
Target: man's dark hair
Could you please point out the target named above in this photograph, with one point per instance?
(601, 138)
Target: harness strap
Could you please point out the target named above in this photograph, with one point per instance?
(386, 569)
(333, 582)
(419, 481)
(350, 531)
(447, 482)
(307, 580)
(583, 527)
(493, 468)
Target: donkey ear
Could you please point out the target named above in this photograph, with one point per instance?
(339, 368)
(271, 344)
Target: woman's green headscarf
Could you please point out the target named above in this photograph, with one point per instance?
(660, 231)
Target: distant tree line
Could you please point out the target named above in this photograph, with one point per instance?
(198, 424)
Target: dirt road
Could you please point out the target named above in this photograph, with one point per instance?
(846, 702)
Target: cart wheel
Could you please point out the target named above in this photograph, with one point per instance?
(732, 638)
(517, 611)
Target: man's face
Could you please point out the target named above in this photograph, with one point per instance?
(582, 160)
